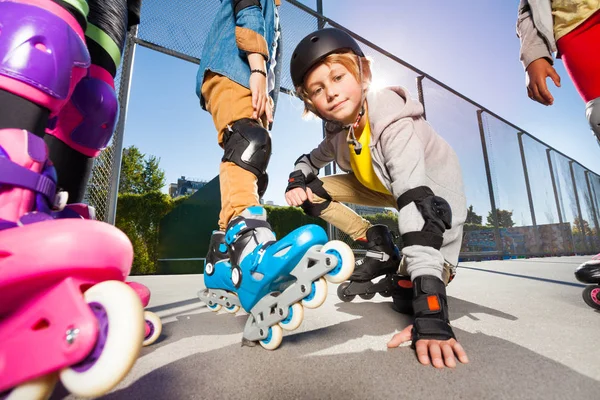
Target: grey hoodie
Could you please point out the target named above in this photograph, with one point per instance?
(535, 29)
(406, 153)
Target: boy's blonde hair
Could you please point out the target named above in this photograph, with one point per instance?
(350, 61)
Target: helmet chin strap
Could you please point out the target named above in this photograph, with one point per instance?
(351, 138)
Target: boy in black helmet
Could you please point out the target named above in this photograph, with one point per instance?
(394, 159)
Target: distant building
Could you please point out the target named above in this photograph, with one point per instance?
(367, 210)
(185, 187)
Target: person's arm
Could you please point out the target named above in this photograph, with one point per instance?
(536, 56)
(307, 166)
(251, 42)
(533, 46)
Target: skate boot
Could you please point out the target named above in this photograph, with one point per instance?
(589, 272)
(153, 323)
(64, 309)
(382, 258)
(275, 280)
(220, 291)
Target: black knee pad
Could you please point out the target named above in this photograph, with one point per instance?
(435, 211)
(316, 185)
(248, 145)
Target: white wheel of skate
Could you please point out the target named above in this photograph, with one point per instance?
(214, 307)
(318, 294)
(154, 324)
(345, 257)
(274, 338)
(294, 318)
(233, 309)
(37, 389)
(118, 308)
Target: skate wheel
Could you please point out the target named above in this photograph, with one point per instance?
(294, 318)
(366, 296)
(209, 269)
(232, 309)
(121, 327)
(274, 338)
(317, 295)
(345, 257)
(153, 328)
(342, 296)
(37, 389)
(236, 276)
(385, 294)
(591, 296)
(214, 307)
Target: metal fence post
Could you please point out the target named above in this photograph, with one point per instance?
(528, 187)
(593, 204)
(488, 173)
(581, 226)
(124, 90)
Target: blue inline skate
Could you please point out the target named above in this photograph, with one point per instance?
(275, 280)
(217, 276)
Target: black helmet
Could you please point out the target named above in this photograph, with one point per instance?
(315, 47)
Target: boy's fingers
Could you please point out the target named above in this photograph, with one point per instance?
(460, 353)
(555, 77)
(401, 337)
(448, 353)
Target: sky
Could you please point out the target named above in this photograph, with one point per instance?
(469, 45)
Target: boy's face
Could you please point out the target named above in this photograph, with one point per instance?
(335, 93)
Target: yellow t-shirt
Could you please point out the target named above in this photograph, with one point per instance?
(569, 14)
(362, 166)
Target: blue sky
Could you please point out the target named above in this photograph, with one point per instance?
(470, 45)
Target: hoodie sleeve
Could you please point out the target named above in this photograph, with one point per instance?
(319, 157)
(533, 46)
(250, 27)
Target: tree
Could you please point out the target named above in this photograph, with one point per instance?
(140, 173)
(504, 218)
(473, 218)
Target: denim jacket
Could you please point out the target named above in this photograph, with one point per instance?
(231, 37)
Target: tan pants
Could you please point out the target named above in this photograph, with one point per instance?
(346, 188)
(227, 102)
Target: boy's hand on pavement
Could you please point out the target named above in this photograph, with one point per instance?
(537, 73)
(436, 352)
(297, 196)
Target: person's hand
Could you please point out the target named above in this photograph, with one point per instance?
(536, 75)
(436, 352)
(261, 101)
(297, 196)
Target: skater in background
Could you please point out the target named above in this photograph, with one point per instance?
(238, 84)
(572, 30)
(393, 158)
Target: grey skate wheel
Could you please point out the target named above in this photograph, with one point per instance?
(366, 296)
(591, 296)
(340, 292)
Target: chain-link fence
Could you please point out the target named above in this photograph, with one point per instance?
(525, 198)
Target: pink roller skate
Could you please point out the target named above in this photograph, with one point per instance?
(589, 273)
(153, 323)
(65, 311)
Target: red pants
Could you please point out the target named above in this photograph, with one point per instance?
(580, 52)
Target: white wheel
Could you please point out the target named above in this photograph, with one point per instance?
(154, 324)
(344, 254)
(121, 320)
(215, 307)
(232, 309)
(294, 318)
(37, 389)
(273, 339)
(317, 295)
